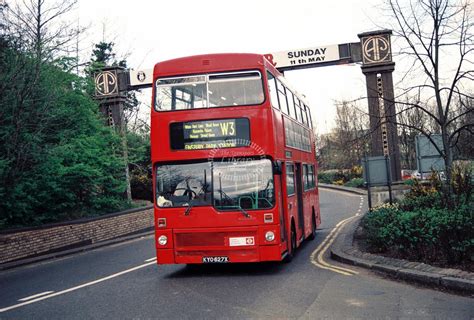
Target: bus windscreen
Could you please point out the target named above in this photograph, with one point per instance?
(227, 184)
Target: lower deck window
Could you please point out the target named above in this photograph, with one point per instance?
(228, 184)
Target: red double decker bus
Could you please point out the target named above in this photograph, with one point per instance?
(234, 165)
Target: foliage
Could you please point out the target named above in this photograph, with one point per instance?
(347, 143)
(355, 183)
(326, 176)
(462, 182)
(424, 227)
(432, 33)
(341, 176)
(457, 193)
(57, 160)
(139, 156)
(426, 234)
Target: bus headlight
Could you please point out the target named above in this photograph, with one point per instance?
(269, 236)
(163, 240)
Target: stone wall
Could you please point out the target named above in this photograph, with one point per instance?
(25, 243)
(380, 195)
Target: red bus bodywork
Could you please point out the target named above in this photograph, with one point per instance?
(206, 231)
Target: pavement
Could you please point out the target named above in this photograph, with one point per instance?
(346, 250)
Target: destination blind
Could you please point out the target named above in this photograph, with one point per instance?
(210, 134)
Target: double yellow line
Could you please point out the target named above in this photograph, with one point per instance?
(318, 254)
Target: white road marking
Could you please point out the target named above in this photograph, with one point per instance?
(151, 259)
(77, 287)
(35, 296)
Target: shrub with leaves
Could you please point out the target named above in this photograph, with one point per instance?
(422, 227)
(57, 159)
(341, 176)
(355, 183)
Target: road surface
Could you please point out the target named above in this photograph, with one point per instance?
(123, 282)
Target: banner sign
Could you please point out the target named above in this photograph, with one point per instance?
(210, 134)
(294, 58)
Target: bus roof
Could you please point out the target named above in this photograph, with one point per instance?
(217, 62)
(209, 62)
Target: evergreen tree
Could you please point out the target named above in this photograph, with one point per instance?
(57, 160)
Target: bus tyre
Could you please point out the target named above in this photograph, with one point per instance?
(291, 252)
(313, 229)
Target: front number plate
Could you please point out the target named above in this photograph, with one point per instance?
(215, 259)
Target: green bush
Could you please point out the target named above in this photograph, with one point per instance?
(433, 235)
(341, 176)
(326, 176)
(428, 200)
(355, 183)
(57, 160)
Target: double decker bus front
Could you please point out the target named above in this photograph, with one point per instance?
(215, 199)
(216, 211)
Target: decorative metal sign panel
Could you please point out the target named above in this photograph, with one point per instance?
(376, 49)
(106, 84)
(141, 78)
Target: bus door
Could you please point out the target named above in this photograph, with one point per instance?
(299, 197)
(281, 210)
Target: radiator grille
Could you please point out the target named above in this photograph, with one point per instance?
(204, 239)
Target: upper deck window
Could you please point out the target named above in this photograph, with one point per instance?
(209, 91)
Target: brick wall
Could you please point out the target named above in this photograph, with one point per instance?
(25, 243)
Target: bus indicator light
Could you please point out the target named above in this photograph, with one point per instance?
(268, 217)
(161, 222)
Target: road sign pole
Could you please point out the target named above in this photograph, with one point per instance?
(389, 180)
(369, 195)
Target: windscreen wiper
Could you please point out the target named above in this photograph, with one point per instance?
(188, 209)
(245, 213)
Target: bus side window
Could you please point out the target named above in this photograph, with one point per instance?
(273, 90)
(303, 115)
(310, 120)
(311, 182)
(298, 107)
(290, 179)
(282, 97)
(305, 177)
(291, 103)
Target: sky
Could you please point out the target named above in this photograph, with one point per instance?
(147, 32)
